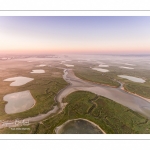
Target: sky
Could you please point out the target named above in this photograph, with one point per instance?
(74, 34)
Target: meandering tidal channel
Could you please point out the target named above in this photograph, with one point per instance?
(118, 95)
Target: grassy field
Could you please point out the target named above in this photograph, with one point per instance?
(43, 88)
(142, 90)
(109, 115)
(88, 74)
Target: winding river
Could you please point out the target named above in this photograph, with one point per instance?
(136, 103)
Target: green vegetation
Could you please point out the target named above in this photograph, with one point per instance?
(95, 76)
(142, 89)
(43, 88)
(109, 115)
(84, 72)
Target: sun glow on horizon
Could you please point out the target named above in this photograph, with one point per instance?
(27, 35)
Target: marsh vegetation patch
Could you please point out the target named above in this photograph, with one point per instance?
(110, 116)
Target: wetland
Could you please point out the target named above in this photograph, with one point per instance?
(72, 99)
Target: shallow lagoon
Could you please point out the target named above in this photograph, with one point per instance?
(126, 67)
(18, 102)
(42, 65)
(82, 61)
(18, 81)
(38, 71)
(69, 65)
(129, 64)
(100, 69)
(103, 65)
(131, 78)
(78, 126)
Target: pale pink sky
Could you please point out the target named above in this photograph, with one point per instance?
(74, 35)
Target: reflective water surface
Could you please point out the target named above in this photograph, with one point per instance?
(42, 65)
(18, 81)
(100, 69)
(78, 126)
(18, 102)
(103, 65)
(131, 78)
(69, 65)
(126, 67)
(38, 71)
